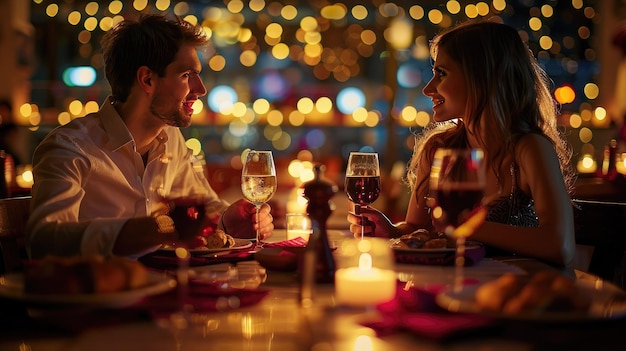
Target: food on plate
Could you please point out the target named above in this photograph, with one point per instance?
(544, 291)
(217, 240)
(423, 239)
(84, 275)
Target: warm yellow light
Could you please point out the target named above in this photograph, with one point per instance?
(308, 23)
(197, 106)
(275, 118)
(499, 5)
(359, 114)
(471, 11)
(64, 118)
(194, 145)
(416, 12)
(482, 8)
(52, 10)
(162, 5)
(305, 105)
(91, 24)
(575, 121)
(75, 108)
(261, 106)
(324, 104)
(139, 5)
(359, 12)
(73, 18)
(91, 106)
(435, 16)
(535, 23)
(239, 109)
(545, 42)
(400, 33)
(585, 135)
(235, 6)
(115, 7)
(274, 30)
(256, 5)
(289, 12)
(591, 91)
(600, 113)
(453, 7)
(248, 58)
(565, 94)
(334, 12)
(422, 119)
(280, 51)
(217, 63)
(296, 118)
(91, 8)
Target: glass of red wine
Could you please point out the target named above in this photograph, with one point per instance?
(457, 183)
(362, 181)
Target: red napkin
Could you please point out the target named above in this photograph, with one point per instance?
(295, 242)
(203, 297)
(165, 261)
(414, 310)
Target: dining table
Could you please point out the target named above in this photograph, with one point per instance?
(261, 308)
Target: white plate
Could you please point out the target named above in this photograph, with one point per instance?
(239, 244)
(606, 303)
(12, 286)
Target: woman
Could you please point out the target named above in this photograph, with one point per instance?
(489, 92)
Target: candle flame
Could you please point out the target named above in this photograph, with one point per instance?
(365, 262)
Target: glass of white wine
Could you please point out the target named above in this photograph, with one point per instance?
(258, 181)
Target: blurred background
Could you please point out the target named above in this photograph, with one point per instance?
(310, 80)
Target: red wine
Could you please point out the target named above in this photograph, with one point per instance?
(363, 190)
(458, 203)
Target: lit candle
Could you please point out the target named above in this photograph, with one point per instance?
(298, 225)
(586, 164)
(364, 285)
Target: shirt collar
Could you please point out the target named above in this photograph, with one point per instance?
(116, 129)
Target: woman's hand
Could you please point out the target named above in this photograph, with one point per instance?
(240, 220)
(376, 224)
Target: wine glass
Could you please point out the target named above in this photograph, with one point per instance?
(362, 181)
(457, 183)
(258, 182)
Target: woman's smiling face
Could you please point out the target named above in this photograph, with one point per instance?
(447, 89)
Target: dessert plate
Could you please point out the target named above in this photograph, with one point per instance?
(605, 304)
(239, 244)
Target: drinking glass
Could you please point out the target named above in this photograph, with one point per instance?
(258, 181)
(457, 183)
(362, 181)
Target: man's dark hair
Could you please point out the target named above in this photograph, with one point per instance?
(152, 41)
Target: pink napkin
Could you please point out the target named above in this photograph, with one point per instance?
(414, 310)
(296, 242)
(204, 297)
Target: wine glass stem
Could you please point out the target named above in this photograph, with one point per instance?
(259, 243)
(363, 221)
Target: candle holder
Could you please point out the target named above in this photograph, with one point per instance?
(365, 273)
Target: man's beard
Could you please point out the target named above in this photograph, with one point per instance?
(172, 118)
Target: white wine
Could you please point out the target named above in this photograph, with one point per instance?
(258, 189)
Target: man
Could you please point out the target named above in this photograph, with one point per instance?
(100, 179)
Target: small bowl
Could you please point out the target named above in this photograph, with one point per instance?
(283, 259)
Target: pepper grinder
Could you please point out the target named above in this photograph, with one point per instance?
(318, 264)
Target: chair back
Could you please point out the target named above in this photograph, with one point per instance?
(14, 212)
(602, 225)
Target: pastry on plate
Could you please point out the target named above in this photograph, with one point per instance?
(544, 291)
(422, 239)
